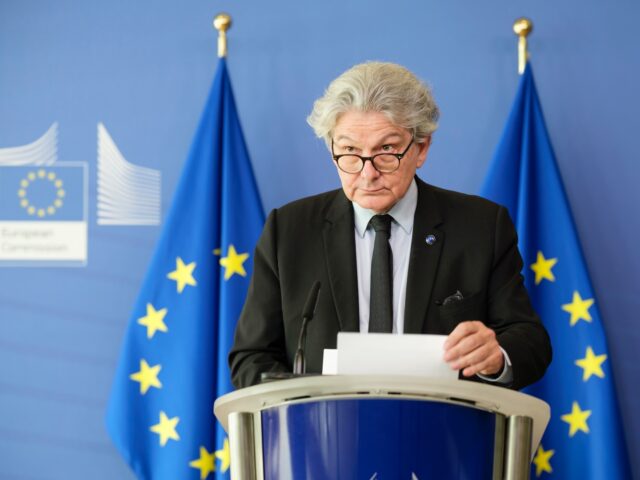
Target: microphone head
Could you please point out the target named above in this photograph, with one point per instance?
(312, 300)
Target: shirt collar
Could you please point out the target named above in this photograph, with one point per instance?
(402, 212)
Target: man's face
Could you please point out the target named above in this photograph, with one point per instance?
(366, 134)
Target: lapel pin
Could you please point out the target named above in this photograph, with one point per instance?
(431, 239)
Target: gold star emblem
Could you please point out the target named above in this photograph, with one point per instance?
(224, 456)
(154, 320)
(591, 364)
(147, 376)
(166, 429)
(232, 263)
(578, 308)
(542, 268)
(48, 181)
(577, 419)
(541, 460)
(183, 274)
(205, 463)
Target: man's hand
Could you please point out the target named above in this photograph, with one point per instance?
(472, 347)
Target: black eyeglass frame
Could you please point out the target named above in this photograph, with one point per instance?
(371, 159)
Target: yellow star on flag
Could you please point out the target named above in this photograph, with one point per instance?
(591, 364)
(166, 429)
(147, 376)
(154, 320)
(541, 460)
(205, 463)
(232, 263)
(542, 268)
(183, 274)
(224, 456)
(577, 419)
(578, 308)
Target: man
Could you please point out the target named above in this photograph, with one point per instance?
(392, 253)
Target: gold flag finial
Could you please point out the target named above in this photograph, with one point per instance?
(522, 27)
(222, 23)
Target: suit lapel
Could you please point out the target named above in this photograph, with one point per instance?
(423, 260)
(340, 255)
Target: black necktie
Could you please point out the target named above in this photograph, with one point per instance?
(380, 306)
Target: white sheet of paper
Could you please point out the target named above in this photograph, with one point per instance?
(391, 354)
(330, 361)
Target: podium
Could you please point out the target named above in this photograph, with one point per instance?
(380, 427)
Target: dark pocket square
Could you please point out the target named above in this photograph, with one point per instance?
(456, 297)
(459, 310)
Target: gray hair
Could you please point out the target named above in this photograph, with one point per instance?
(387, 88)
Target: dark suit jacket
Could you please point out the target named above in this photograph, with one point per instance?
(313, 239)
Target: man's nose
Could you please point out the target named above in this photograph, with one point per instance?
(369, 171)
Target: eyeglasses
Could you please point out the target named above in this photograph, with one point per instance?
(382, 162)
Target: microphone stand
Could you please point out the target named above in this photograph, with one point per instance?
(299, 363)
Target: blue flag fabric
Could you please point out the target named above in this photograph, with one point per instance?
(174, 360)
(584, 439)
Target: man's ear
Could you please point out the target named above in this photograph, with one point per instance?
(423, 149)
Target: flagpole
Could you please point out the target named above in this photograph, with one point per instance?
(522, 27)
(222, 23)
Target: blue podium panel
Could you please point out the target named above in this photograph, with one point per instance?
(377, 439)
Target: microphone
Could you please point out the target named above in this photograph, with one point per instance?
(307, 316)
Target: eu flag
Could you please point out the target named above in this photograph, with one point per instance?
(584, 439)
(174, 359)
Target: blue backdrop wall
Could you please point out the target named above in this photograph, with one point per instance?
(143, 69)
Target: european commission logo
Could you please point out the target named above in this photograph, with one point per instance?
(43, 215)
(43, 206)
(43, 202)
